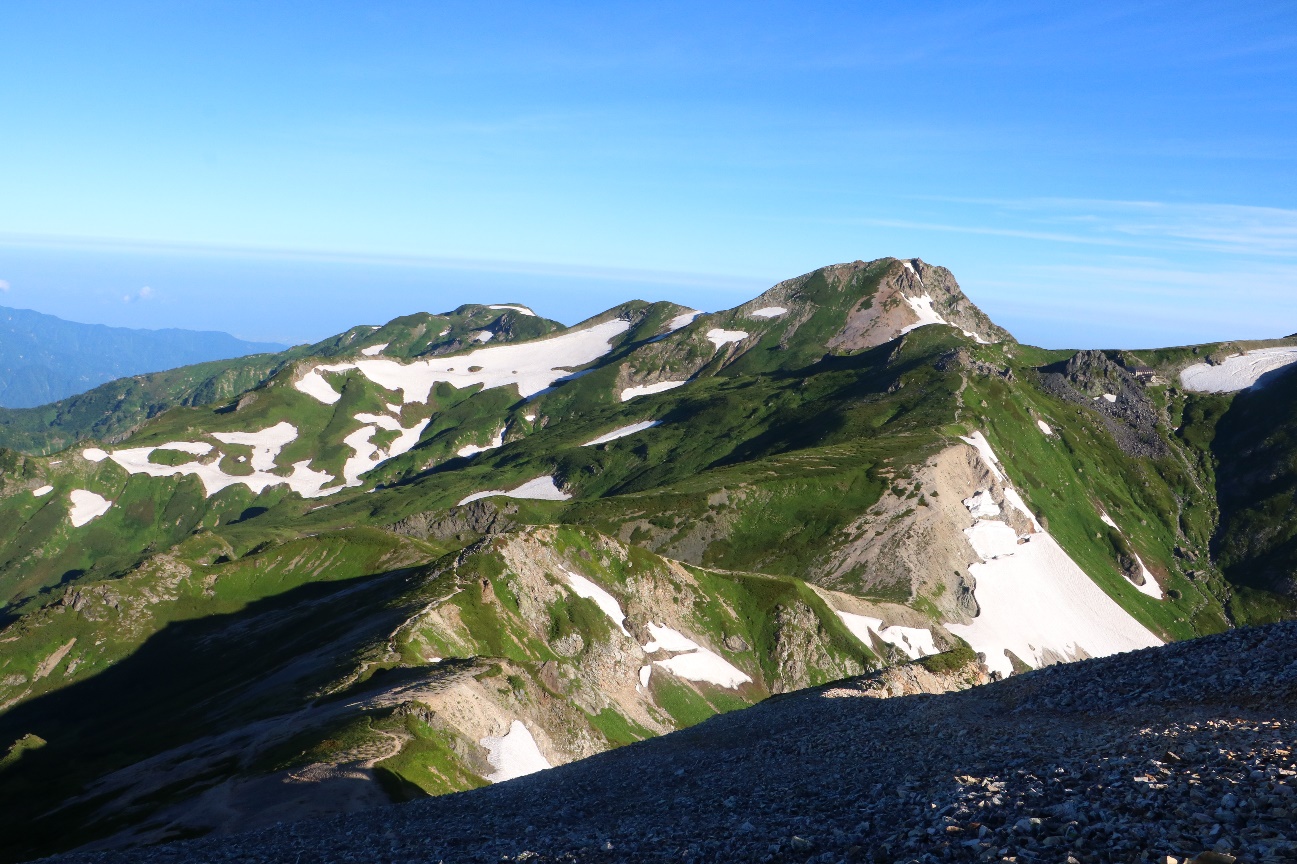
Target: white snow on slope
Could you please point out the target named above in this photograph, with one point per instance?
(531, 366)
(684, 319)
(514, 754)
(474, 449)
(698, 664)
(922, 307)
(583, 587)
(313, 383)
(1044, 427)
(484, 336)
(374, 350)
(86, 506)
(645, 672)
(721, 338)
(706, 666)
(1150, 586)
(42, 491)
(1110, 397)
(622, 432)
(663, 638)
(1035, 601)
(648, 389)
(542, 488)
(1238, 372)
(266, 446)
(982, 505)
(522, 309)
(769, 312)
(94, 454)
(916, 642)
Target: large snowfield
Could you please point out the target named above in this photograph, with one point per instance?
(531, 366)
(1238, 372)
(1034, 600)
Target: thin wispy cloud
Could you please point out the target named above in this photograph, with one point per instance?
(144, 293)
(4, 287)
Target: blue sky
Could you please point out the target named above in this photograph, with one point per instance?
(1117, 174)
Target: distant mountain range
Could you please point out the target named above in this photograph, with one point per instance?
(44, 358)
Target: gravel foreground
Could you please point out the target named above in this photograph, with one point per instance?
(1164, 755)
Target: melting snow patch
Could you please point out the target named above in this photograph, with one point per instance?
(622, 432)
(769, 312)
(1238, 372)
(666, 639)
(265, 444)
(981, 505)
(645, 672)
(374, 350)
(1044, 427)
(916, 642)
(684, 319)
(531, 366)
(992, 539)
(520, 309)
(698, 664)
(530, 418)
(86, 506)
(648, 389)
(484, 336)
(1150, 586)
(583, 587)
(721, 338)
(42, 491)
(542, 488)
(1110, 397)
(94, 454)
(473, 449)
(514, 754)
(706, 666)
(313, 383)
(922, 307)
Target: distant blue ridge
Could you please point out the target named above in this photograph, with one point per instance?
(44, 358)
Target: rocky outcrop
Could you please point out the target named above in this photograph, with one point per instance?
(1095, 381)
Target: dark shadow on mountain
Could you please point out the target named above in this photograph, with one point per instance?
(192, 678)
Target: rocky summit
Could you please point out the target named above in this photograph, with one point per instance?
(1173, 754)
(482, 552)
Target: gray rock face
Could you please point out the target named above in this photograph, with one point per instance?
(1089, 378)
(1174, 753)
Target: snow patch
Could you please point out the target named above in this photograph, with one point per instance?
(484, 336)
(542, 488)
(922, 307)
(982, 505)
(583, 587)
(530, 418)
(42, 491)
(374, 350)
(622, 432)
(473, 449)
(1044, 427)
(1238, 372)
(521, 309)
(94, 454)
(721, 338)
(916, 642)
(684, 319)
(696, 663)
(531, 366)
(265, 444)
(769, 312)
(1034, 600)
(1150, 587)
(1110, 397)
(648, 389)
(645, 672)
(513, 754)
(86, 506)
(314, 385)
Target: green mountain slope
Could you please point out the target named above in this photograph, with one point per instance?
(418, 558)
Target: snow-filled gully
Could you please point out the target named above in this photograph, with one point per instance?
(1034, 600)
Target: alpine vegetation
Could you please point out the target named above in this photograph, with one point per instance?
(457, 550)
